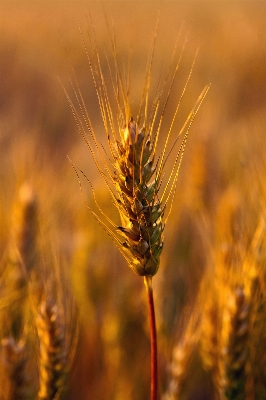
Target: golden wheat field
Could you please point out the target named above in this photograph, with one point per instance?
(74, 316)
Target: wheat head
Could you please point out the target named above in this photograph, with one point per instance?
(52, 355)
(138, 174)
(25, 223)
(235, 339)
(181, 358)
(14, 359)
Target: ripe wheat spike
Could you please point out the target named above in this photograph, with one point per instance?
(235, 338)
(14, 359)
(137, 185)
(19, 263)
(26, 226)
(52, 356)
(233, 319)
(181, 358)
(211, 337)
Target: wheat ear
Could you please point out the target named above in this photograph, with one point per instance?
(52, 356)
(19, 259)
(210, 337)
(181, 358)
(14, 359)
(138, 173)
(26, 226)
(235, 338)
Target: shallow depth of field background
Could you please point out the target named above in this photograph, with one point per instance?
(223, 165)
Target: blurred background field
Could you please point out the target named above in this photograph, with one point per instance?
(221, 179)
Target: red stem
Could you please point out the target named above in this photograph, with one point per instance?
(153, 339)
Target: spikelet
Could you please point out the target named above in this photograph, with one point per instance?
(52, 357)
(134, 186)
(14, 360)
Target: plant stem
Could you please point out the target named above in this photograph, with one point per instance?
(153, 339)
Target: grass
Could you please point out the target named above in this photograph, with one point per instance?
(209, 292)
